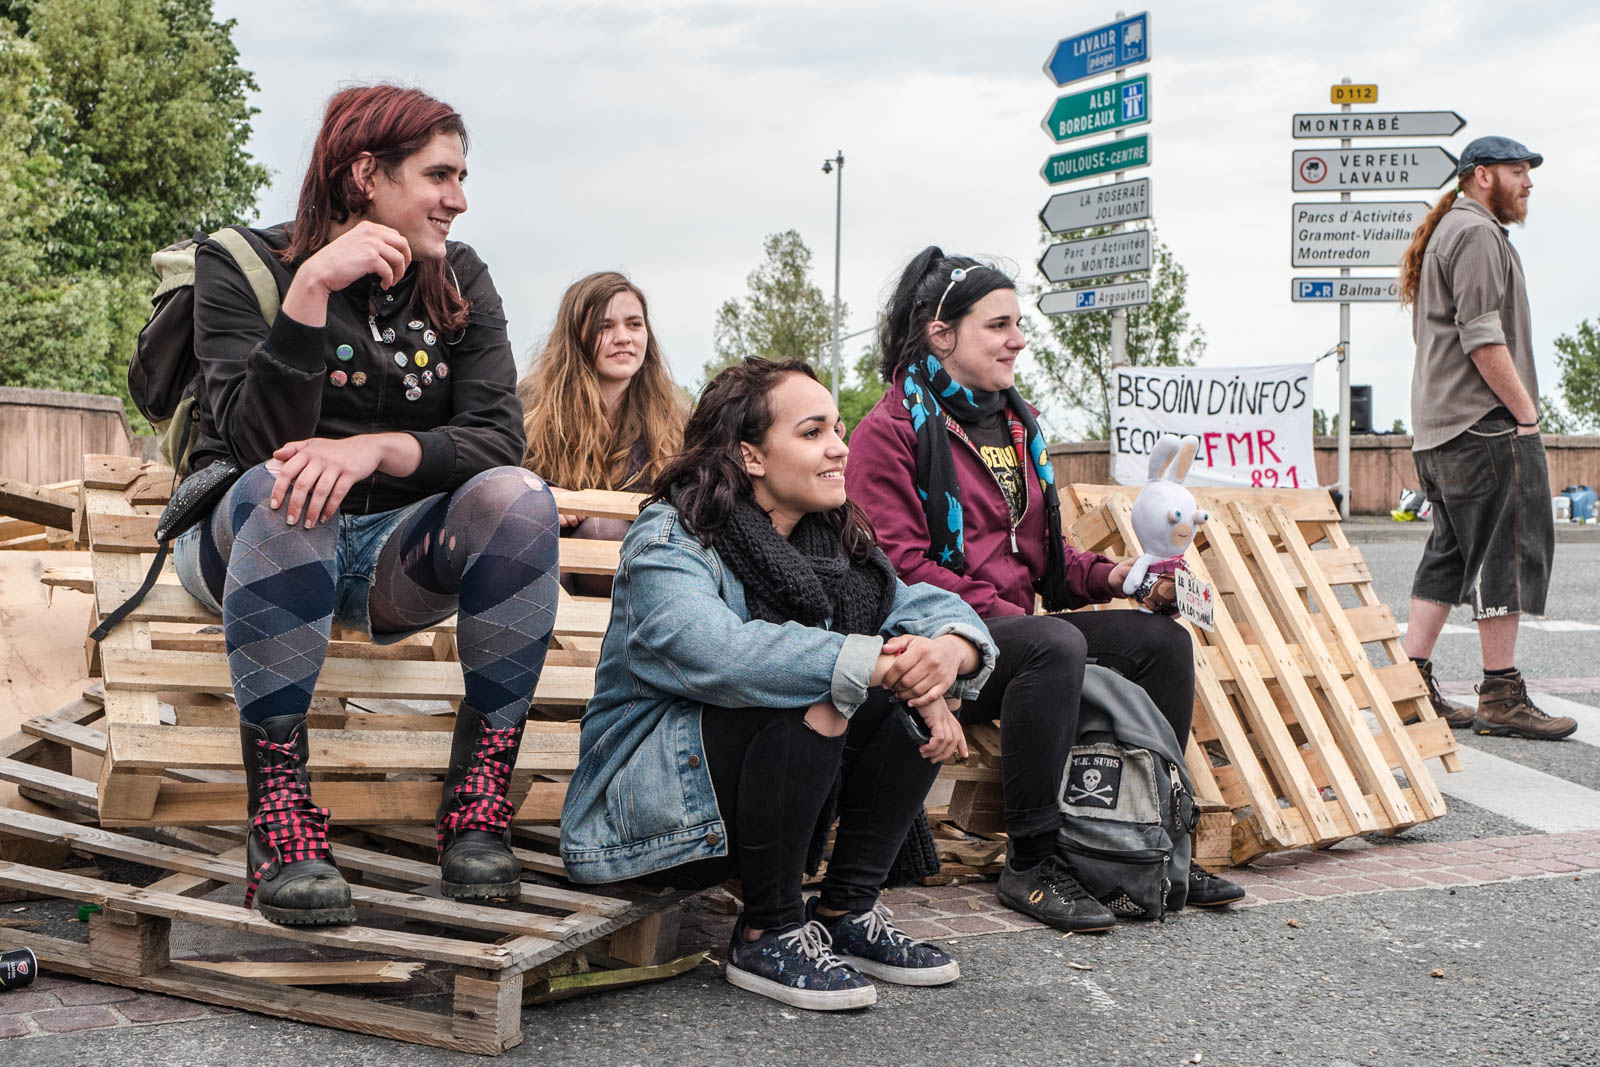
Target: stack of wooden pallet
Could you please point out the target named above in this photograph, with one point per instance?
(1302, 736)
(1299, 739)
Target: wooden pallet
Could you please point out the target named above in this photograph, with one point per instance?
(1295, 729)
(489, 952)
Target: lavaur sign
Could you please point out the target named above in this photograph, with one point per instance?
(1337, 169)
(1100, 50)
(1363, 234)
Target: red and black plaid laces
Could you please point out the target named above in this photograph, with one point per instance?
(482, 793)
(292, 828)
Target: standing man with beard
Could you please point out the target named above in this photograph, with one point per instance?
(1475, 407)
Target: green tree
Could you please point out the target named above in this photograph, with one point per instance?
(1073, 352)
(122, 128)
(58, 326)
(783, 314)
(1578, 359)
(158, 101)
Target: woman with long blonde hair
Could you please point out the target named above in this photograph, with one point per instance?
(600, 409)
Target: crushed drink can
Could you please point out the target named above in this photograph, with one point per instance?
(18, 968)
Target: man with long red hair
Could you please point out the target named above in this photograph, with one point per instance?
(376, 420)
(1475, 413)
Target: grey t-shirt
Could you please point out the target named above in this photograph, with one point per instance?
(1472, 293)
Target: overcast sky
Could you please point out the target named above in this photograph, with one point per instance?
(667, 139)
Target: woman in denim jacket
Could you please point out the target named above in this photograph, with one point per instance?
(751, 615)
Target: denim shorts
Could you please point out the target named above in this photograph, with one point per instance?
(1494, 536)
(361, 541)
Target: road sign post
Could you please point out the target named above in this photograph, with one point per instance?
(1115, 107)
(1365, 234)
(1344, 332)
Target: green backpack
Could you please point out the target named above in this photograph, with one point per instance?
(164, 374)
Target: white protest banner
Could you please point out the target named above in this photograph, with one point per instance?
(1254, 423)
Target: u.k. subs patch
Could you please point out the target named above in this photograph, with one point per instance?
(1094, 780)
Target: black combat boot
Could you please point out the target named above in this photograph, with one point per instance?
(474, 820)
(292, 880)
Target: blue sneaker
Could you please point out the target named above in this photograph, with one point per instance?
(874, 946)
(795, 964)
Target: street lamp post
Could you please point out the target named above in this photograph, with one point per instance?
(838, 217)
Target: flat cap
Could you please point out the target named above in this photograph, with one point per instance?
(1487, 151)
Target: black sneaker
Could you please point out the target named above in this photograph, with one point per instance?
(874, 947)
(795, 964)
(1051, 894)
(1207, 890)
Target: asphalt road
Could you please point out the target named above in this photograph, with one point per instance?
(1347, 979)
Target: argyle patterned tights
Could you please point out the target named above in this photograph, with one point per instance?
(486, 551)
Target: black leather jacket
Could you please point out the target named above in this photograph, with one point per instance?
(263, 388)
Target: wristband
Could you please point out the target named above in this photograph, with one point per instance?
(1535, 422)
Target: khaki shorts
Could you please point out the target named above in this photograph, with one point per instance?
(1493, 532)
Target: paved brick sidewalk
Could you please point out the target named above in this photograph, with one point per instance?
(1352, 867)
(63, 1005)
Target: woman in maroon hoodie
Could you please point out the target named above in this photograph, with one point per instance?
(951, 468)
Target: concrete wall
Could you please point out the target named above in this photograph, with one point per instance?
(45, 434)
(1380, 466)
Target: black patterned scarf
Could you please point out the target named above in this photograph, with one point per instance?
(930, 394)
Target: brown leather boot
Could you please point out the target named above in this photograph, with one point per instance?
(1504, 710)
(1458, 716)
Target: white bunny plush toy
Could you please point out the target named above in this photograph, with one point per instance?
(1164, 516)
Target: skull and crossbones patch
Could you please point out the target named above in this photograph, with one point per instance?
(1094, 780)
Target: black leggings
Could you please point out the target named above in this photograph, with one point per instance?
(772, 774)
(1036, 685)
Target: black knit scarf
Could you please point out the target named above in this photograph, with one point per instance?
(804, 577)
(930, 393)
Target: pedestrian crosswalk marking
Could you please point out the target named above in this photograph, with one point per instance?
(1533, 798)
(1554, 626)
